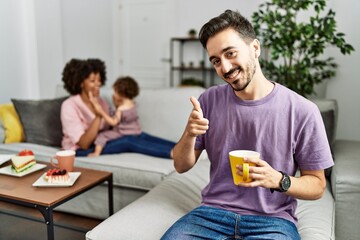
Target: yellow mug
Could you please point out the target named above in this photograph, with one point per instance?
(237, 158)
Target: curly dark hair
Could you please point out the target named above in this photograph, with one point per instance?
(77, 70)
(228, 19)
(98, 66)
(127, 87)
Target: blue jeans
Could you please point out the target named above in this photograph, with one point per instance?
(143, 143)
(213, 223)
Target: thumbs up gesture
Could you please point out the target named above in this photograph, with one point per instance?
(197, 124)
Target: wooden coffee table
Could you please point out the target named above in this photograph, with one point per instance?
(19, 190)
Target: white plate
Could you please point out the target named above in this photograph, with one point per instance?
(8, 171)
(5, 157)
(41, 182)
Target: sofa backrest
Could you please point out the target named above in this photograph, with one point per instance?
(329, 112)
(163, 112)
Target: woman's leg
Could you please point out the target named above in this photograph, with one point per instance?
(83, 153)
(119, 145)
(158, 140)
(153, 146)
(143, 143)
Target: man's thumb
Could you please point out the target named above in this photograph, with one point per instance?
(196, 105)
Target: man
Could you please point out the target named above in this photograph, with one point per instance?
(249, 112)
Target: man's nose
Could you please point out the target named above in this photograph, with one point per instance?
(226, 66)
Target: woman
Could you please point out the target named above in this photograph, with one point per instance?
(82, 121)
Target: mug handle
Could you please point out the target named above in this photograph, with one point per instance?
(245, 171)
(52, 163)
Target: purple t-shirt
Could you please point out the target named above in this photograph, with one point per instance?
(284, 127)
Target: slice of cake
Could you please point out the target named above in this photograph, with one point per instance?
(57, 176)
(22, 163)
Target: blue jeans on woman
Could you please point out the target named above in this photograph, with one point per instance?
(212, 223)
(143, 143)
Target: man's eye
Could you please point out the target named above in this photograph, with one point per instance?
(215, 62)
(231, 54)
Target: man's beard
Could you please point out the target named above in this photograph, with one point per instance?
(248, 75)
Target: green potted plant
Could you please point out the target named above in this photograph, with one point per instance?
(192, 33)
(296, 48)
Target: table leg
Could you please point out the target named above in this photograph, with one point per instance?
(111, 196)
(47, 213)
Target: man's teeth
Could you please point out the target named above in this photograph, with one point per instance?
(233, 74)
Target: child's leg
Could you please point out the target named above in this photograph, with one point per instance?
(97, 151)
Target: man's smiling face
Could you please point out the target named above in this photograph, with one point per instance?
(232, 58)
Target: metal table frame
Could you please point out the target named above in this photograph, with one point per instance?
(47, 211)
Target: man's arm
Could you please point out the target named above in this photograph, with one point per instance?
(184, 154)
(309, 186)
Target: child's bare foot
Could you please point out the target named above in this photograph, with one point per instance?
(172, 154)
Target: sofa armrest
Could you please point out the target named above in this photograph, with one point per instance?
(345, 182)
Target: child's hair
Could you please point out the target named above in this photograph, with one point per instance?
(126, 86)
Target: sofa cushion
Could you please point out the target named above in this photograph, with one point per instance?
(42, 153)
(317, 218)
(150, 216)
(131, 170)
(345, 187)
(12, 129)
(41, 120)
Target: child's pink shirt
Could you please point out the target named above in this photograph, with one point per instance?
(76, 118)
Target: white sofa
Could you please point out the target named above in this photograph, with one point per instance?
(149, 196)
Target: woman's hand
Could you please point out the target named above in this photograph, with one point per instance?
(97, 107)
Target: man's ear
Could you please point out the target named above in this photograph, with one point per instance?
(256, 47)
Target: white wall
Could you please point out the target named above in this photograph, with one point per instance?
(50, 56)
(18, 60)
(39, 36)
(345, 86)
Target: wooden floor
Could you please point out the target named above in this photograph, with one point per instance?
(23, 223)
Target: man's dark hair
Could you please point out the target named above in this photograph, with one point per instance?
(228, 19)
(76, 71)
(127, 87)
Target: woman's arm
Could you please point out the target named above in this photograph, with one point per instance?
(112, 121)
(90, 134)
(78, 128)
